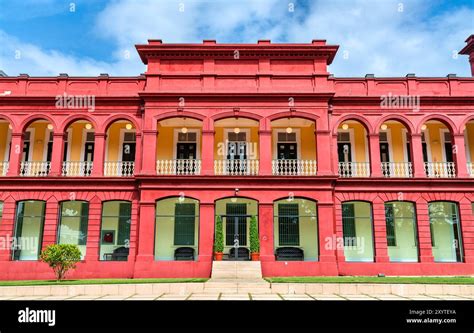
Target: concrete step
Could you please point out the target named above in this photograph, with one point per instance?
(236, 269)
(257, 286)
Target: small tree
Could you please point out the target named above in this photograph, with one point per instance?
(61, 258)
(219, 239)
(254, 241)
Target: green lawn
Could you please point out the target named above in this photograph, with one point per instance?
(95, 281)
(374, 279)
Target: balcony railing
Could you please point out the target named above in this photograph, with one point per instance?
(397, 169)
(294, 167)
(77, 168)
(35, 169)
(354, 169)
(236, 167)
(178, 167)
(440, 169)
(119, 169)
(470, 169)
(4, 167)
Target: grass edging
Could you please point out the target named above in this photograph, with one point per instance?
(374, 279)
(22, 283)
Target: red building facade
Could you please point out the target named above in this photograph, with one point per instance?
(316, 160)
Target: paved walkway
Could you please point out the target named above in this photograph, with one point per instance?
(245, 297)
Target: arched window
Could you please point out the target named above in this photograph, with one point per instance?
(73, 224)
(296, 226)
(357, 231)
(400, 218)
(177, 229)
(29, 224)
(115, 230)
(446, 237)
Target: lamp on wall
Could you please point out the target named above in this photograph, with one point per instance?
(237, 129)
(184, 129)
(88, 126)
(128, 126)
(49, 126)
(345, 126)
(423, 127)
(289, 130)
(384, 127)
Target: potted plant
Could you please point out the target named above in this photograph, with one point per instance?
(219, 240)
(254, 241)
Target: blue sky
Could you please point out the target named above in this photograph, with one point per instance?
(89, 37)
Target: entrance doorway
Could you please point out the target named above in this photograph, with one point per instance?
(236, 215)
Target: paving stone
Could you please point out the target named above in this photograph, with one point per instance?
(204, 297)
(84, 297)
(296, 297)
(359, 297)
(236, 297)
(266, 297)
(172, 297)
(326, 297)
(55, 298)
(113, 298)
(142, 297)
(26, 298)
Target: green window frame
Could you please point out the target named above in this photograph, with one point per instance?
(124, 223)
(390, 225)
(84, 221)
(19, 218)
(288, 224)
(348, 224)
(184, 223)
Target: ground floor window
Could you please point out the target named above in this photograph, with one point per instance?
(446, 238)
(177, 229)
(115, 230)
(357, 231)
(236, 215)
(73, 222)
(29, 224)
(295, 230)
(400, 221)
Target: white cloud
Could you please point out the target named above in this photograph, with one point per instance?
(378, 38)
(19, 57)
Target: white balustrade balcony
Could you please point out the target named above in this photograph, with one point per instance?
(236, 167)
(4, 167)
(35, 168)
(77, 168)
(294, 167)
(440, 169)
(178, 167)
(119, 168)
(397, 169)
(354, 169)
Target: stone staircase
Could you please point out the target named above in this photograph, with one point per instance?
(233, 277)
